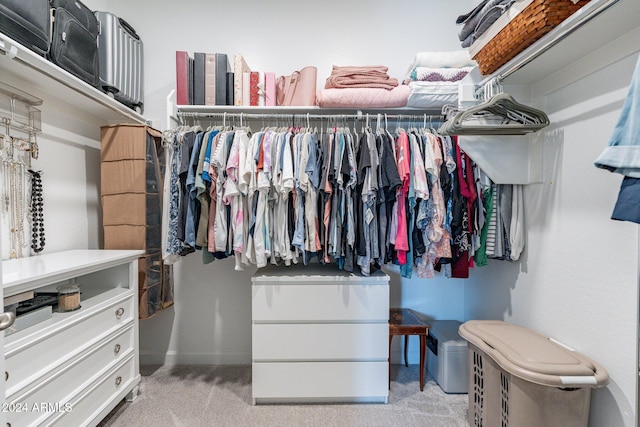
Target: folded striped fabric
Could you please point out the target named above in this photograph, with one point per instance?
(427, 74)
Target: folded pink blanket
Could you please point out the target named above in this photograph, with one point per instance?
(360, 77)
(363, 97)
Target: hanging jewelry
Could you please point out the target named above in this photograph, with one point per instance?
(6, 189)
(21, 194)
(17, 208)
(37, 212)
(33, 147)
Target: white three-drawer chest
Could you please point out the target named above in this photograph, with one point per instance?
(319, 334)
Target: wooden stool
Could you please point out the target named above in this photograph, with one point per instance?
(404, 321)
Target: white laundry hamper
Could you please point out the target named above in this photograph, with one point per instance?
(518, 377)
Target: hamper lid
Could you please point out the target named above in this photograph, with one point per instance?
(531, 356)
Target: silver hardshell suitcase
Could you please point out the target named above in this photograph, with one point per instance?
(121, 60)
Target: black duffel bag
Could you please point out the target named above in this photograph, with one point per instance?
(74, 40)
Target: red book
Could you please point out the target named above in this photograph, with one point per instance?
(182, 77)
(253, 88)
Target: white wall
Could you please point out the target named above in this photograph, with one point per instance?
(578, 278)
(283, 36)
(70, 160)
(211, 320)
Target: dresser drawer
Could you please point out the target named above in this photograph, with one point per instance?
(33, 356)
(320, 381)
(330, 302)
(58, 387)
(302, 342)
(100, 397)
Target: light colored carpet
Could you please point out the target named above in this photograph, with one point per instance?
(194, 396)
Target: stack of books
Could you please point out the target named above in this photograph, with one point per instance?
(209, 79)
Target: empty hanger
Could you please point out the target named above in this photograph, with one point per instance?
(500, 115)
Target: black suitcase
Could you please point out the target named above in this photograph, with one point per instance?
(27, 22)
(74, 39)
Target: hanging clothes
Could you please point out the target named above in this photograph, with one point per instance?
(170, 199)
(359, 199)
(623, 155)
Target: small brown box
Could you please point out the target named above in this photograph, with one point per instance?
(124, 209)
(125, 236)
(122, 141)
(123, 176)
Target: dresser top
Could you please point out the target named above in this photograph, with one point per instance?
(23, 274)
(315, 272)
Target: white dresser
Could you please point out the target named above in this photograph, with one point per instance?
(319, 335)
(74, 368)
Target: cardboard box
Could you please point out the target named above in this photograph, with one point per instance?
(123, 176)
(146, 237)
(124, 209)
(125, 141)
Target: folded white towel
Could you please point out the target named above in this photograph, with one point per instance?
(452, 59)
(448, 59)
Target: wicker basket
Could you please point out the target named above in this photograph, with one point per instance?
(533, 22)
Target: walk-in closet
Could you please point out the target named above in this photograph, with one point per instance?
(245, 262)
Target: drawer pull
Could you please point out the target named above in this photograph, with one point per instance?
(6, 376)
(116, 350)
(119, 312)
(118, 381)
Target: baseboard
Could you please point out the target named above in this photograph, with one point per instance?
(173, 358)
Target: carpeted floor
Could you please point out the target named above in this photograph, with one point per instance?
(204, 396)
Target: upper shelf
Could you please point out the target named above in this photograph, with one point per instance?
(46, 77)
(574, 38)
(204, 109)
(174, 111)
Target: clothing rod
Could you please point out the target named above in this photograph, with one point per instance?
(259, 116)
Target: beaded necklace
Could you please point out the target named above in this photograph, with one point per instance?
(37, 212)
